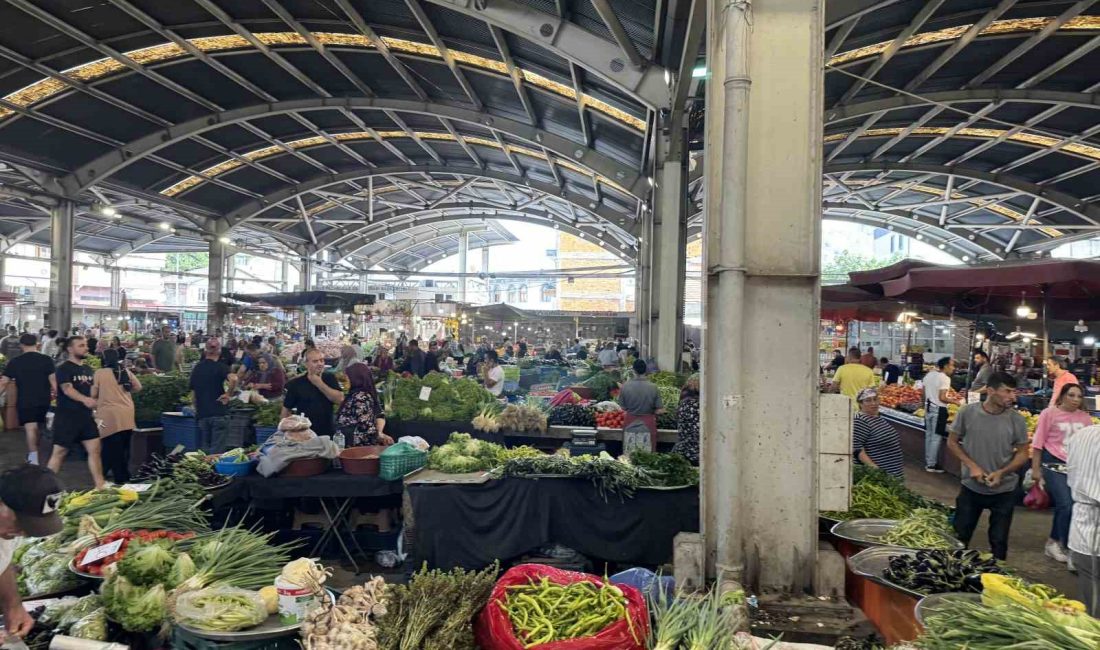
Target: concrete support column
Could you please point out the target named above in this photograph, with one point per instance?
(762, 257)
(306, 285)
(3, 271)
(463, 251)
(485, 270)
(642, 290)
(230, 271)
(669, 253)
(285, 277)
(62, 224)
(364, 282)
(215, 276)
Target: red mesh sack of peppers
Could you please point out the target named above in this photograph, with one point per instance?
(536, 606)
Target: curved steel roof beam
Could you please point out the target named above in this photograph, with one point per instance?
(251, 209)
(626, 254)
(1067, 202)
(118, 159)
(861, 109)
(573, 43)
(922, 223)
(865, 217)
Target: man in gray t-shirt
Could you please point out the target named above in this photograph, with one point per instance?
(990, 440)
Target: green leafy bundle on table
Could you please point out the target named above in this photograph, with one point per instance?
(451, 400)
(159, 394)
(462, 454)
(269, 413)
(666, 378)
(606, 474)
(667, 470)
(602, 383)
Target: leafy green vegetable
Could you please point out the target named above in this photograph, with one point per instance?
(451, 400)
(182, 569)
(92, 627)
(462, 453)
(159, 393)
(79, 610)
(666, 469)
(269, 414)
(146, 563)
(136, 609)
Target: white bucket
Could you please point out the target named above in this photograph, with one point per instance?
(295, 601)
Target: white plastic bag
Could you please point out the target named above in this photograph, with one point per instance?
(220, 609)
(415, 441)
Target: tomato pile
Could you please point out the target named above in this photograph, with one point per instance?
(96, 567)
(610, 419)
(893, 394)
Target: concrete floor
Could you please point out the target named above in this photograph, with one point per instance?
(1025, 552)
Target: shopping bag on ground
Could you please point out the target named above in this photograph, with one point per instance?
(495, 631)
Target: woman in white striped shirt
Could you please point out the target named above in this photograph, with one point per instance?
(1083, 466)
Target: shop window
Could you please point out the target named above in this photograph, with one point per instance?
(523, 293)
(547, 293)
(511, 293)
(202, 295)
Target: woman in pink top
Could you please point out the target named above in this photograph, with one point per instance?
(1057, 424)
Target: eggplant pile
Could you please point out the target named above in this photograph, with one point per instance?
(572, 415)
(158, 466)
(938, 572)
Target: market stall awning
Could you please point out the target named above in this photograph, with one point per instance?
(846, 302)
(1070, 289)
(320, 299)
(872, 280)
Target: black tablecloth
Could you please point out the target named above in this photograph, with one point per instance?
(331, 484)
(472, 525)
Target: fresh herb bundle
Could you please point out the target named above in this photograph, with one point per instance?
(435, 611)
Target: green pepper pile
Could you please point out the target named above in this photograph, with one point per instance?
(878, 495)
(546, 611)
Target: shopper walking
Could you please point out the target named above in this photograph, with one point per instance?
(937, 383)
(990, 440)
(49, 344)
(608, 357)
(853, 377)
(212, 386)
(164, 352)
(1083, 478)
(9, 345)
(983, 370)
(35, 388)
(361, 418)
(1057, 369)
(687, 421)
(875, 442)
(313, 394)
(74, 419)
(112, 388)
(1057, 424)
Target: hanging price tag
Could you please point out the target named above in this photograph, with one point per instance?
(136, 487)
(973, 397)
(102, 551)
(425, 393)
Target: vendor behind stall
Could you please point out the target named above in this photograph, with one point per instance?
(314, 393)
(641, 400)
(210, 395)
(268, 377)
(492, 374)
(30, 495)
(361, 418)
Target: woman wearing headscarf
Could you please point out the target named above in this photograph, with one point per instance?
(112, 388)
(268, 377)
(687, 419)
(360, 417)
(383, 361)
(349, 354)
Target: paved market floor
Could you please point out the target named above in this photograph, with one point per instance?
(1025, 551)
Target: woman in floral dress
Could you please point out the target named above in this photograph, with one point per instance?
(360, 417)
(687, 418)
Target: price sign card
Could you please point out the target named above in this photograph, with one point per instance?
(102, 551)
(137, 487)
(425, 393)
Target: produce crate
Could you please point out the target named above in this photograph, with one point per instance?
(263, 433)
(180, 430)
(184, 640)
(240, 428)
(401, 459)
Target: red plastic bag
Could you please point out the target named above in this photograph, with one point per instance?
(1036, 498)
(494, 629)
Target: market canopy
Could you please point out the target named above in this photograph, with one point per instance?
(316, 299)
(1069, 289)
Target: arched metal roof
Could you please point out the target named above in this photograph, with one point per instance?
(287, 124)
(971, 123)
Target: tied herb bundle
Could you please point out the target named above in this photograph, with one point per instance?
(669, 470)
(435, 611)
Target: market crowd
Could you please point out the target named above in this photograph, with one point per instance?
(990, 440)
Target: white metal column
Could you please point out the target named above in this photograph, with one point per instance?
(62, 224)
(669, 254)
(762, 256)
(463, 251)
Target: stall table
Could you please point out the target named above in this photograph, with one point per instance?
(470, 526)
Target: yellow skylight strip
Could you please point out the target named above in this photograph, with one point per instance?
(87, 72)
(1077, 148)
(1015, 25)
(264, 152)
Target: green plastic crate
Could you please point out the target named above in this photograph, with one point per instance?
(400, 459)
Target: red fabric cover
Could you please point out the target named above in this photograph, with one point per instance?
(494, 630)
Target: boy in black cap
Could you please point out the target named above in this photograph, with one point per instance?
(29, 496)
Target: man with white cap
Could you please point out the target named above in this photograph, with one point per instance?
(29, 496)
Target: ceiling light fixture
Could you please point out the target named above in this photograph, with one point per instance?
(1080, 326)
(1089, 341)
(1023, 311)
(108, 211)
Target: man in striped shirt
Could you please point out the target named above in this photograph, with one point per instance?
(1083, 466)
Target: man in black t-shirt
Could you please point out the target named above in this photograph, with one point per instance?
(314, 393)
(74, 418)
(211, 388)
(35, 386)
